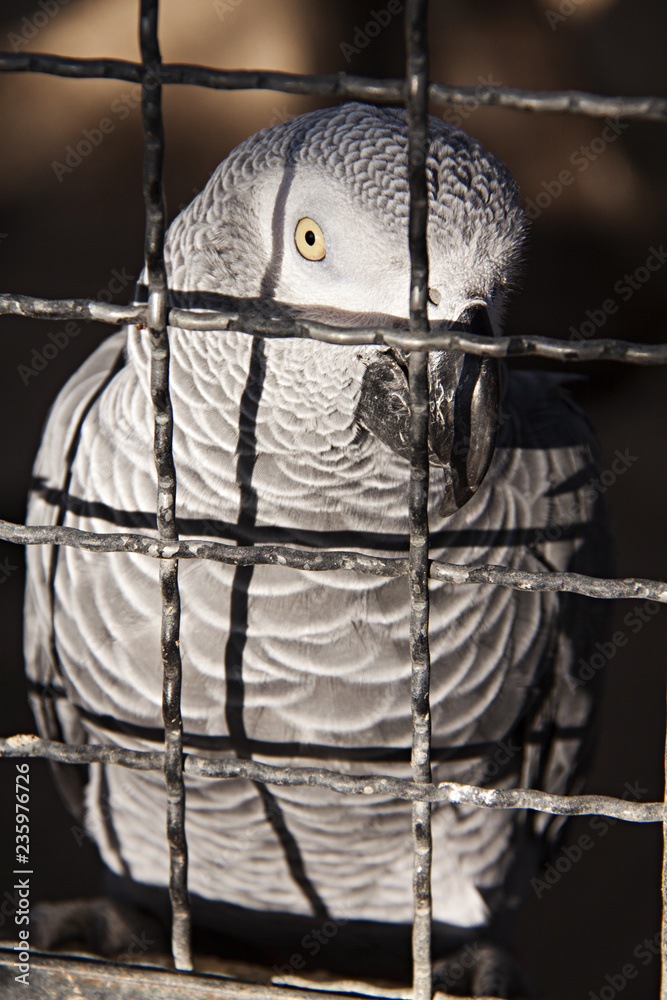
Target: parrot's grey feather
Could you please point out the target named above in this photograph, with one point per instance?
(271, 442)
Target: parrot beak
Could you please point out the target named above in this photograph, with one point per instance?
(464, 402)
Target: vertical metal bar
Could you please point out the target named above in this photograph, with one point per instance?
(151, 106)
(417, 107)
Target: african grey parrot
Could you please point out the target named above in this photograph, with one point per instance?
(302, 442)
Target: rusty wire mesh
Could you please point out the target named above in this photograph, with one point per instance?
(59, 976)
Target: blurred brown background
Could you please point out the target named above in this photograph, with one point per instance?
(65, 233)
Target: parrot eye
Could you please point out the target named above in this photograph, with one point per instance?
(309, 239)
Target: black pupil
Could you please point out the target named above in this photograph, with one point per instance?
(310, 237)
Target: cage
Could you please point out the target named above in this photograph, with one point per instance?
(56, 976)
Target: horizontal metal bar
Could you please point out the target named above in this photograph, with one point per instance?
(576, 102)
(61, 309)
(572, 583)
(27, 745)
(61, 977)
(455, 338)
(648, 108)
(330, 559)
(32, 307)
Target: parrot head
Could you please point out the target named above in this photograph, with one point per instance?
(311, 217)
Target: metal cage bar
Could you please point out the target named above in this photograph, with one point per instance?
(455, 337)
(314, 561)
(342, 85)
(415, 91)
(416, 98)
(346, 784)
(151, 107)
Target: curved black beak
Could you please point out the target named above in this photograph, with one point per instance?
(464, 402)
(464, 398)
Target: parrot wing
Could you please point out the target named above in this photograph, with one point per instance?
(57, 716)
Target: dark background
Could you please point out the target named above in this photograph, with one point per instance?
(65, 237)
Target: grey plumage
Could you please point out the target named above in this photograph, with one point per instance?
(292, 440)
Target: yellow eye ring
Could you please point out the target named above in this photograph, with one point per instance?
(309, 239)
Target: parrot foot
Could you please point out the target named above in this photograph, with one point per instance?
(491, 973)
(102, 926)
